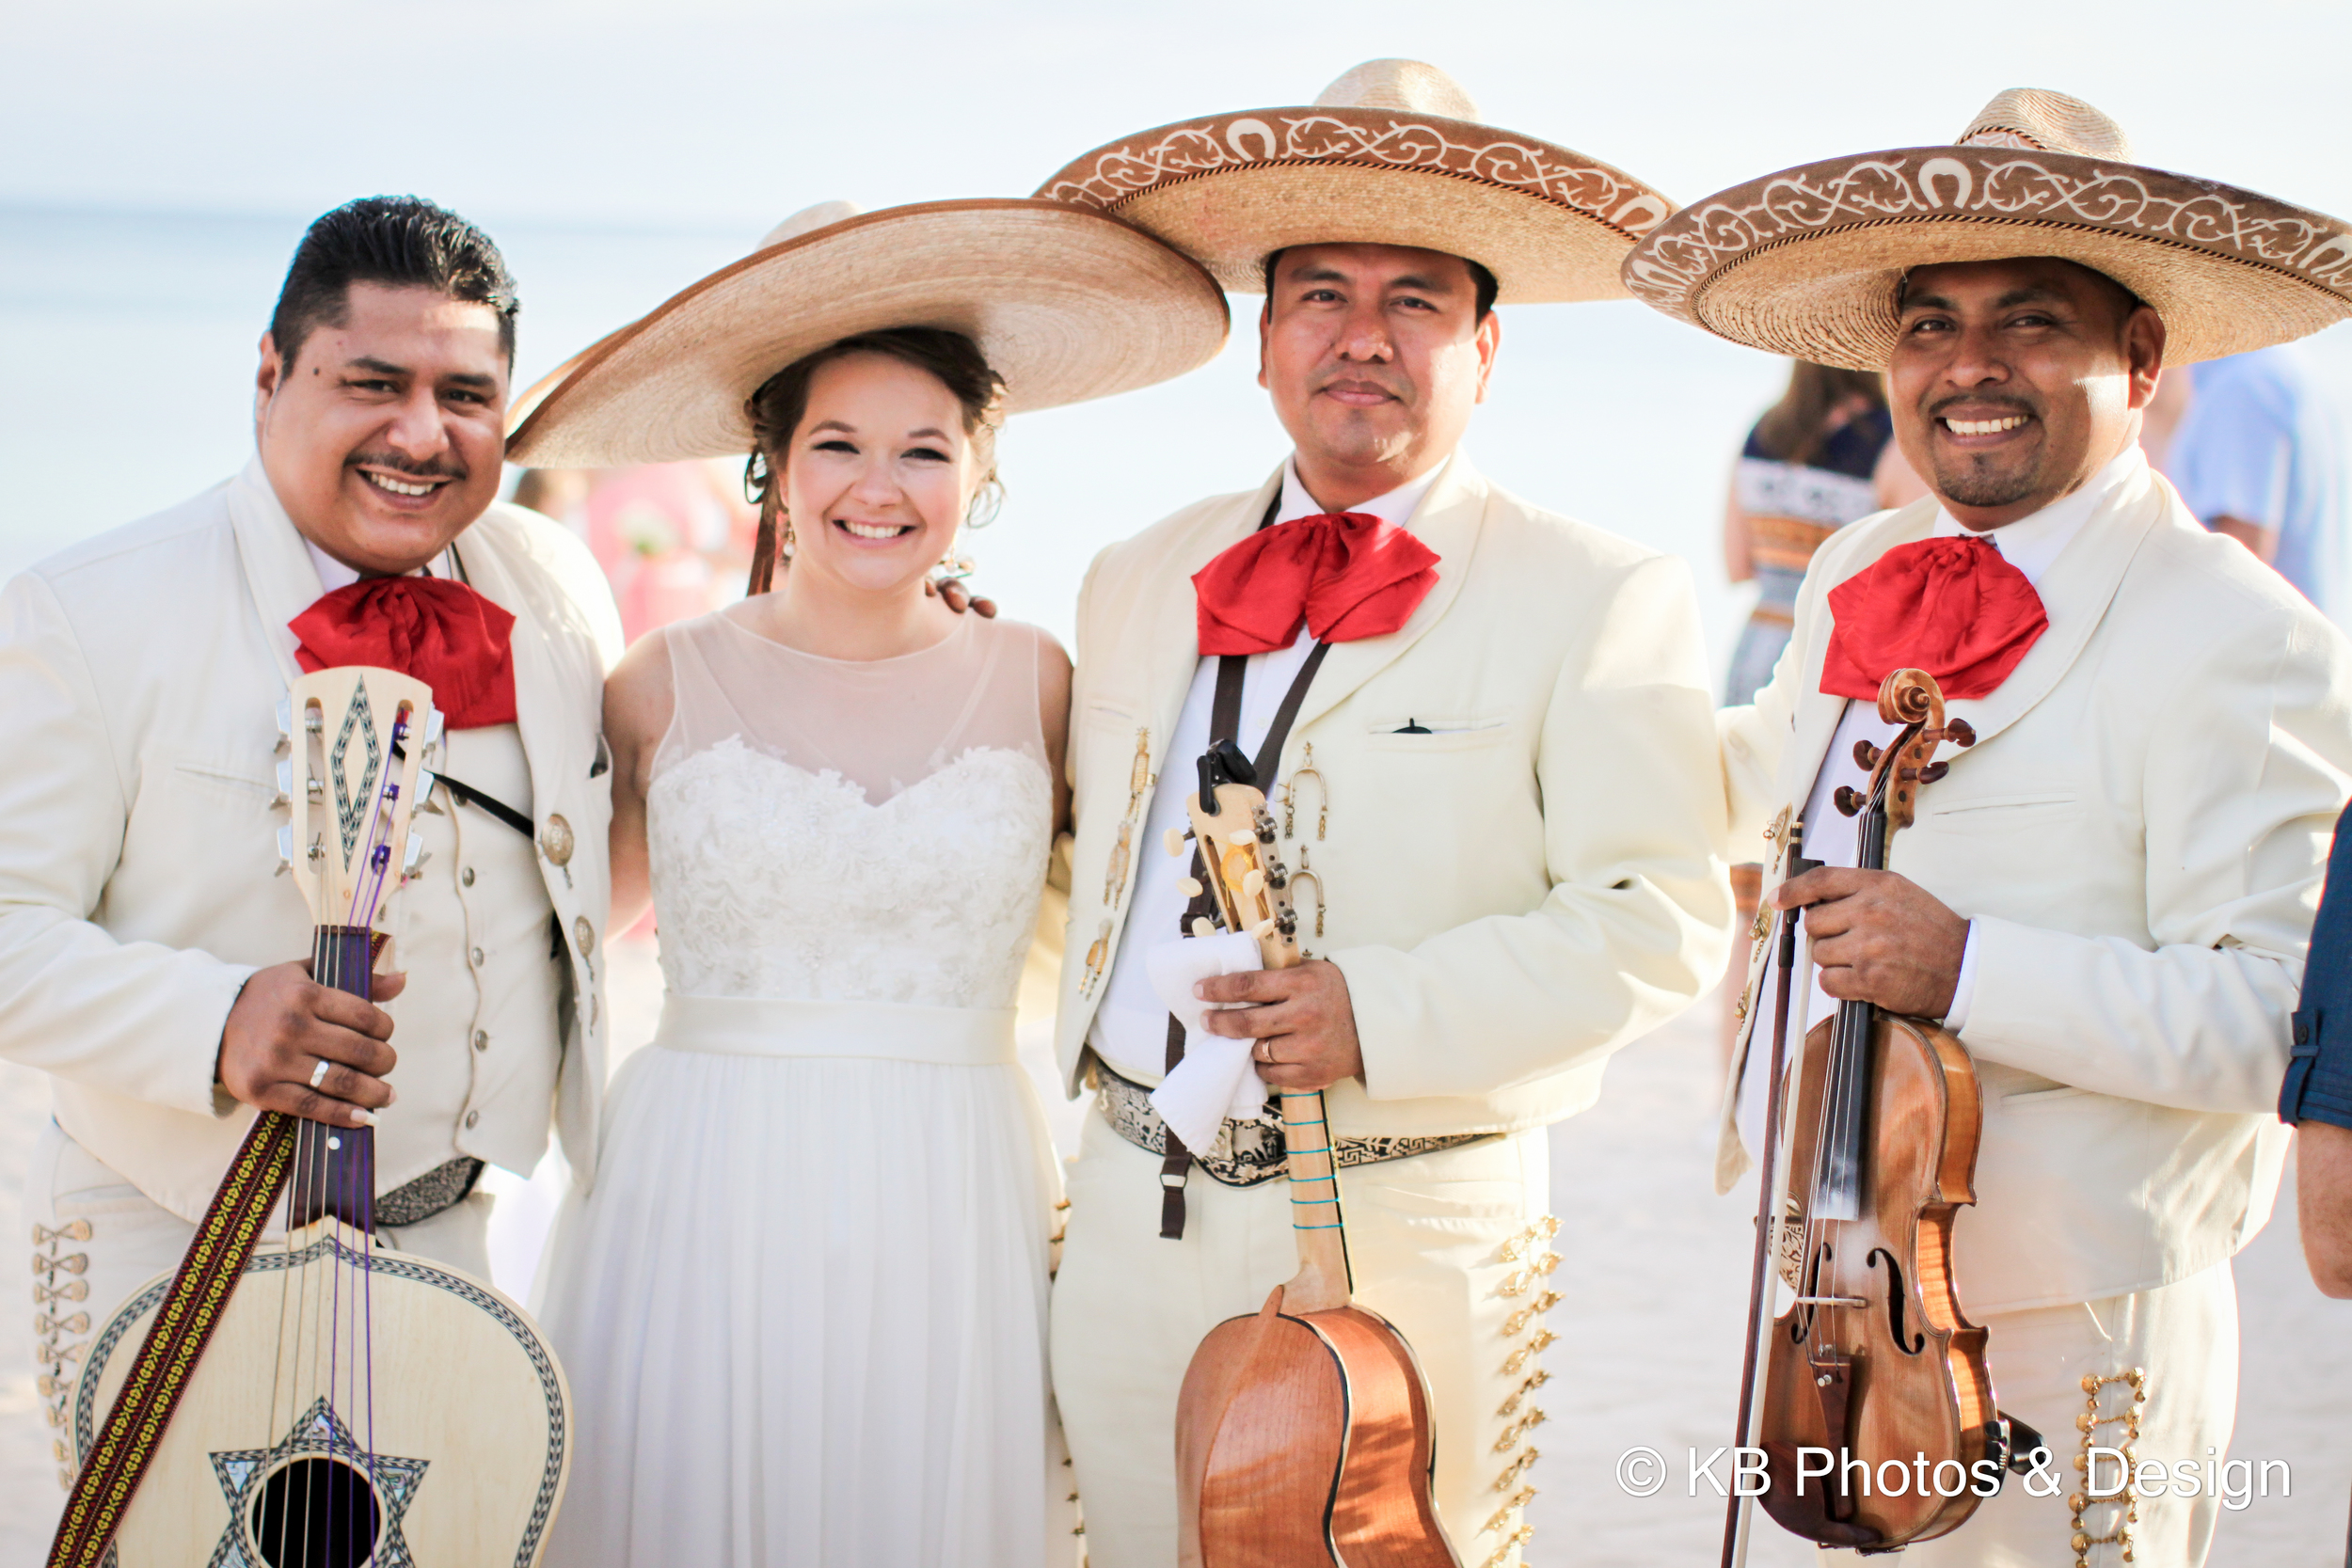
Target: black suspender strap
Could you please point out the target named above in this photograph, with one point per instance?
(464, 794)
(1224, 724)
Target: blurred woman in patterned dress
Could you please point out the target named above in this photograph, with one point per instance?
(1820, 458)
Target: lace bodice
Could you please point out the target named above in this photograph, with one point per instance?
(831, 831)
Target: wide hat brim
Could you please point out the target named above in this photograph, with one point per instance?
(1229, 190)
(1808, 261)
(1065, 304)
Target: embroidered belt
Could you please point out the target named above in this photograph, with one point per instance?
(1252, 1151)
(444, 1186)
(776, 1026)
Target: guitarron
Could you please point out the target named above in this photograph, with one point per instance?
(341, 1403)
(1302, 1432)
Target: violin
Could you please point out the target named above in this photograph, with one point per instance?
(1872, 1368)
(1303, 1434)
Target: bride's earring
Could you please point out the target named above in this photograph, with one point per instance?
(784, 548)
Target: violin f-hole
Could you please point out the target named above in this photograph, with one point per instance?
(1909, 1346)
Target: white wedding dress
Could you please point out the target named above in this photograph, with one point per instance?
(803, 1306)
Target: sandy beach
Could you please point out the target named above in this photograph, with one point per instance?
(1654, 1290)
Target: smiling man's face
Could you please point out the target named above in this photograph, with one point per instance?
(2013, 382)
(1374, 355)
(383, 439)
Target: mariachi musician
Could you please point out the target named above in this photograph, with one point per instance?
(145, 940)
(2108, 896)
(1501, 778)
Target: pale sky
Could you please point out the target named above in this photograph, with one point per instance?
(165, 158)
(721, 111)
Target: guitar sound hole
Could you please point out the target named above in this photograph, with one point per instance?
(316, 1513)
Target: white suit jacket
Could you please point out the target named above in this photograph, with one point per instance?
(2139, 836)
(1511, 896)
(140, 677)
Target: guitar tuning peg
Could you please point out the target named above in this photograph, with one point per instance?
(285, 716)
(424, 783)
(1201, 926)
(434, 724)
(1241, 838)
(1253, 884)
(1848, 800)
(285, 849)
(1867, 754)
(1189, 886)
(1175, 841)
(414, 856)
(285, 783)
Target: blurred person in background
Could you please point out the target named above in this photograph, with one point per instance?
(1820, 458)
(1810, 466)
(2257, 456)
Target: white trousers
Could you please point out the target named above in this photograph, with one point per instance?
(2183, 1339)
(97, 1239)
(1447, 1246)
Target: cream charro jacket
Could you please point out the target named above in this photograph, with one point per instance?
(140, 679)
(1511, 896)
(2139, 836)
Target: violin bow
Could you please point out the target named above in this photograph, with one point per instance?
(1739, 1506)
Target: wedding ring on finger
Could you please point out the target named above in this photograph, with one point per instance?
(318, 1073)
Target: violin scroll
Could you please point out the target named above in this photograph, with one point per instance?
(1912, 699)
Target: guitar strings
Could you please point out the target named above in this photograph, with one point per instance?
(339, 1190)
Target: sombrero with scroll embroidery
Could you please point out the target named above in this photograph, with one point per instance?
(1808, 261)
(1394, 153)
(1066, 305)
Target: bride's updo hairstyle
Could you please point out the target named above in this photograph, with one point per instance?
(780, 404)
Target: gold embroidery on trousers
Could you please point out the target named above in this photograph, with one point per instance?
(1525, 1249)
(2125, 1503)
(1510, 1407)
(55, 1357)
(1503, 1552)
(1502, 1516)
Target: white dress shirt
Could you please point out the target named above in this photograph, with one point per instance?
(2031, 543)
(1131, 1027)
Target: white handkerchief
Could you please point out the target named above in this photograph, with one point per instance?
(1217, 1079)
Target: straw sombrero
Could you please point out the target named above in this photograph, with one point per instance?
(1391, 153)
(1065, 303)
(1807, 263)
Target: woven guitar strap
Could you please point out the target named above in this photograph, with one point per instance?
(1224, 724)
(117, 1460)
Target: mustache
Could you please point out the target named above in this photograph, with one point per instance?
(437, 469)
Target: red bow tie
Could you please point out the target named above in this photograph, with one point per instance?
(443, 633)
(1952, 607)
(1343, 575)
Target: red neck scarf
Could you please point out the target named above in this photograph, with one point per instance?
(440, 632)
(1952, 607)
(1341, 575)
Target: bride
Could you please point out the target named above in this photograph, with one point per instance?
(802, 1307)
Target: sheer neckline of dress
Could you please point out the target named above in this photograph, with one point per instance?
(956, 635)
